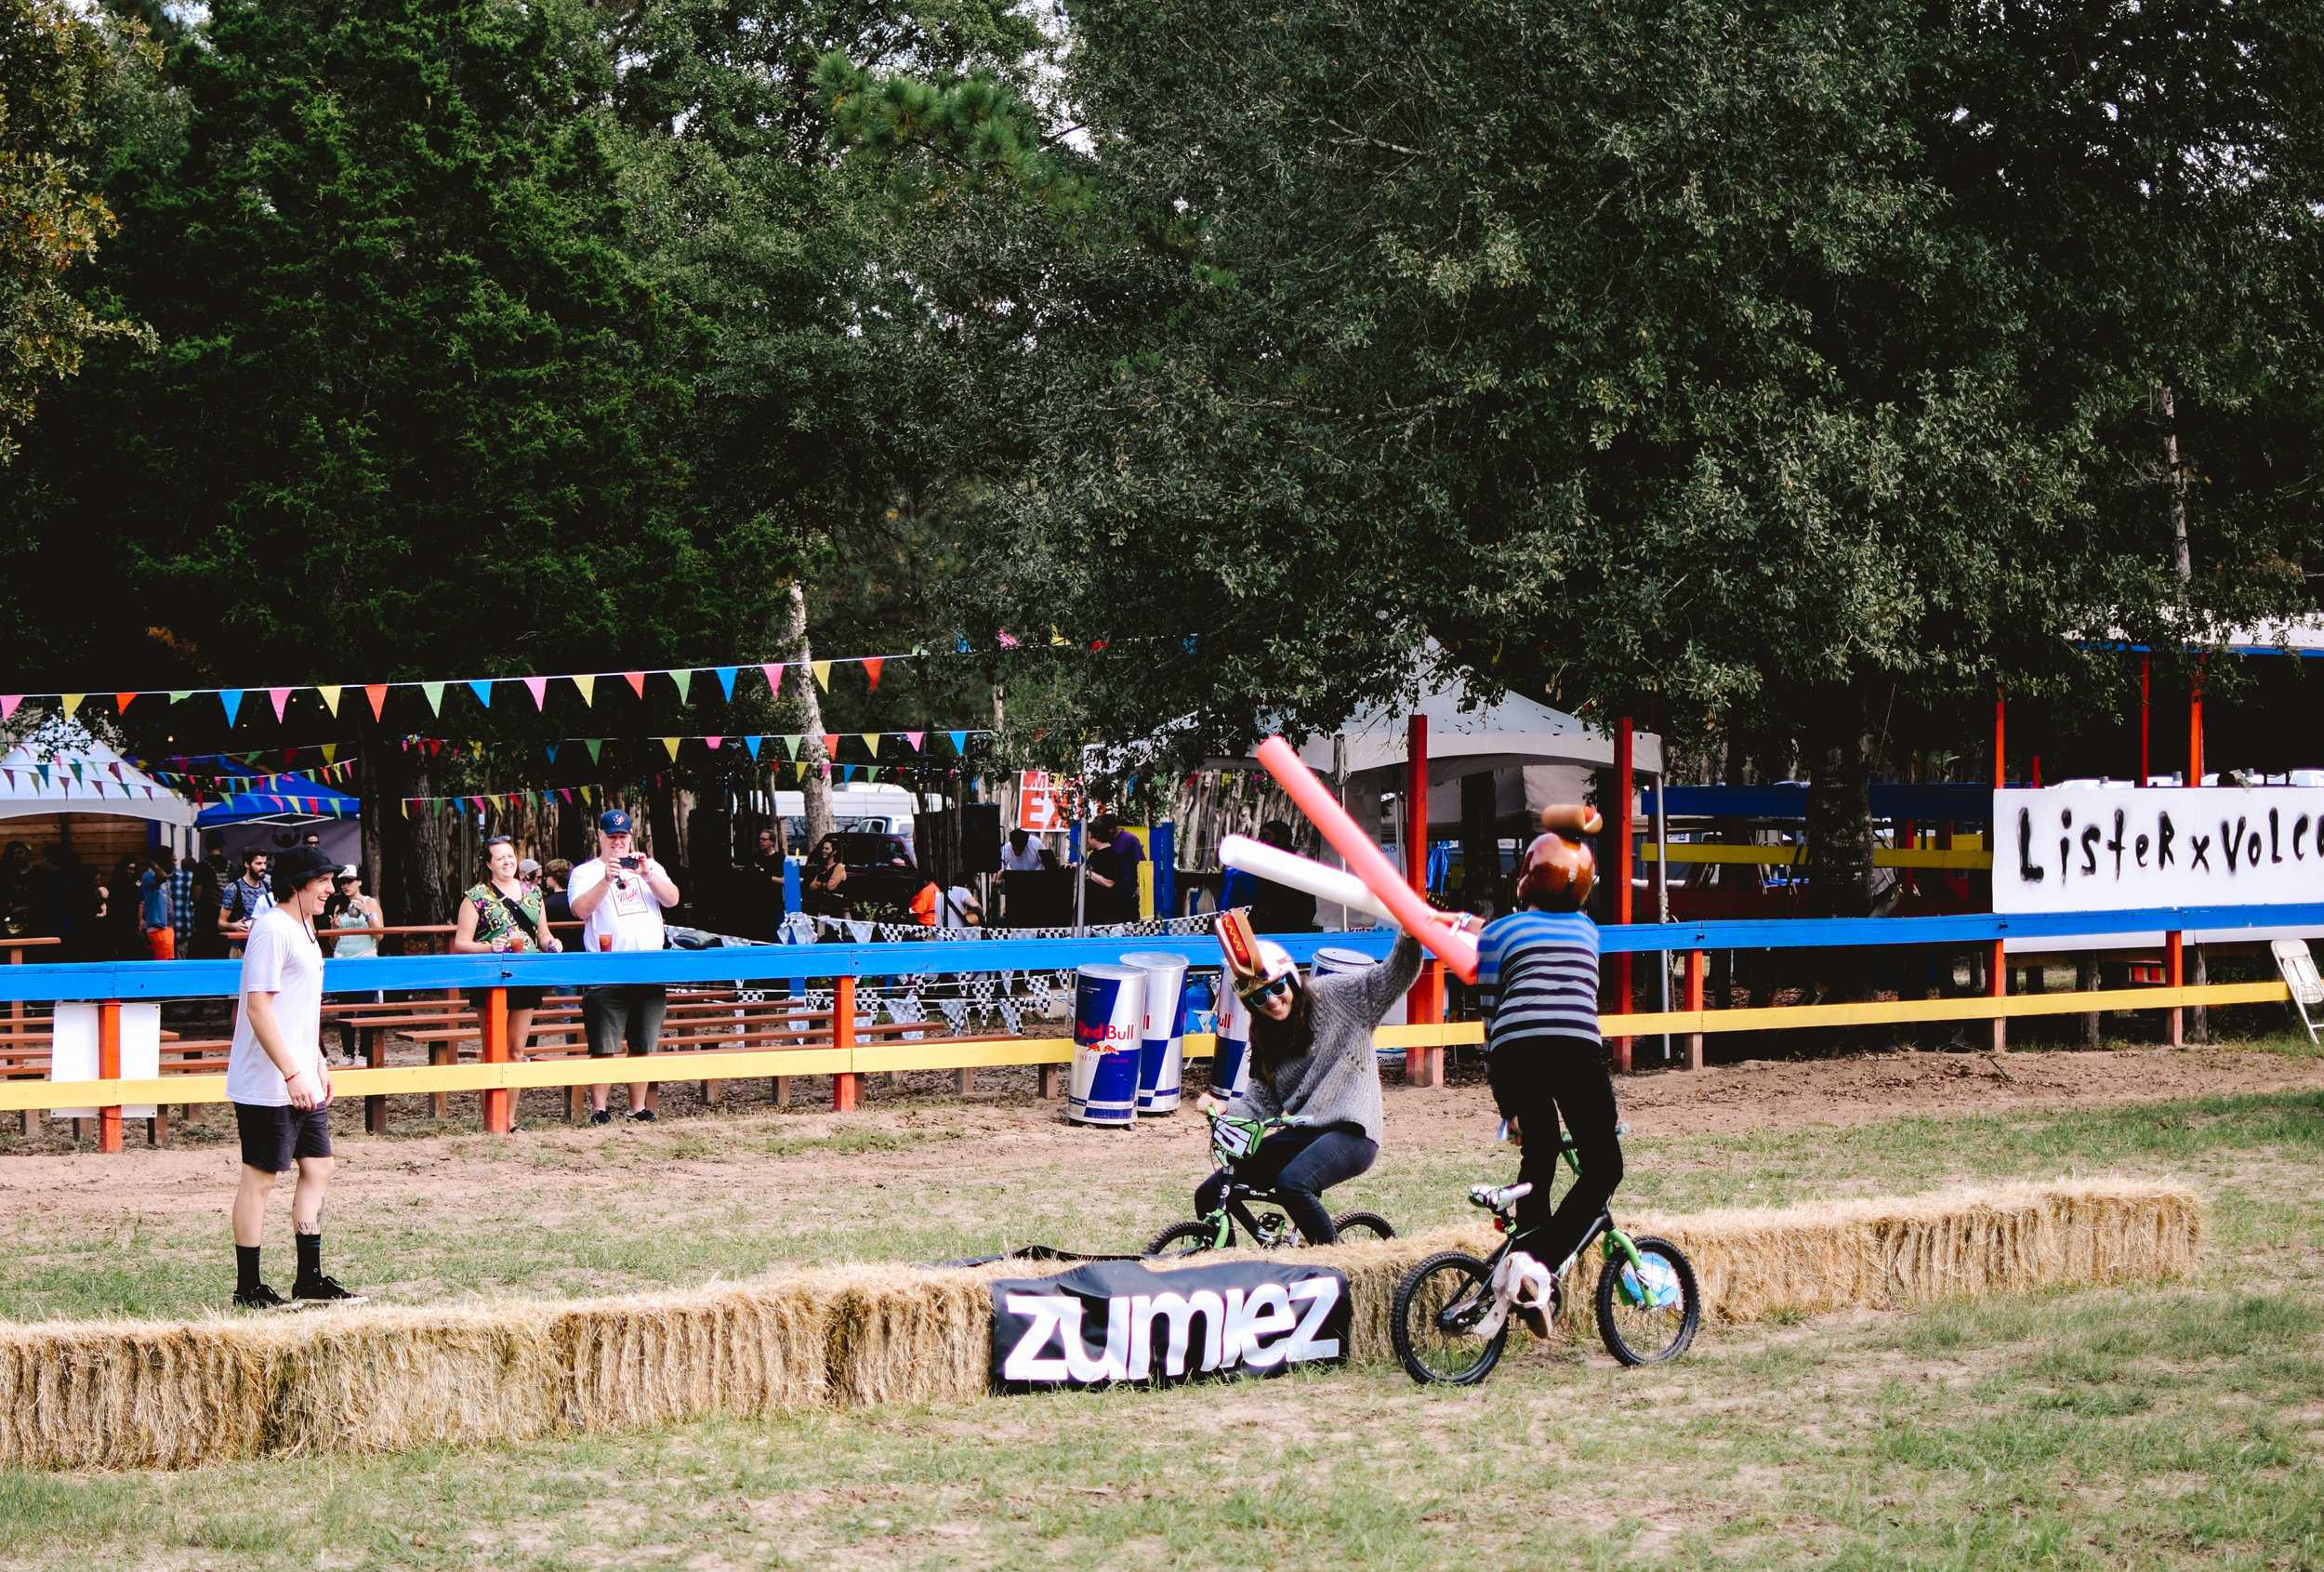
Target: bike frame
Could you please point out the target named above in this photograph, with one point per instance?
(1616, 1243)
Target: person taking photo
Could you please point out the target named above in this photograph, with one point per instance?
(619, 896)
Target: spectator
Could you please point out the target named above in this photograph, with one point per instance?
(160, 932)
(278, 1085)
(1112, 866)
(529, 873)
(766, 865)
(555, 875)
(1020, 853)
(619, 896)
(959, 910)
(820, 891)
(181, 905)
(245, 899)
(313, 840)
(209, 938)
(17, 885)
(351, 915)
(1274, 908)
(89, 921)
(502, 915)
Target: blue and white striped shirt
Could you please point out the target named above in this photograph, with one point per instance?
(1538, 976)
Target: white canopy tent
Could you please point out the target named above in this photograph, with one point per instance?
(60, 768)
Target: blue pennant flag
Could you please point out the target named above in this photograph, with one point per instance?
(483, 690)
(752, 743)
(726, 680)
(960, 741)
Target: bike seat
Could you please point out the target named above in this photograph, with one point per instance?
(1508, 1195)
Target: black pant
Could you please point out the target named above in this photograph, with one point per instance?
(1534, 1081)
(1298, 1164)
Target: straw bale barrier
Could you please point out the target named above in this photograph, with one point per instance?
(152, 1394)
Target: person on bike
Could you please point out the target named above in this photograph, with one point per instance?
(1312, 1061)
(1538, 986)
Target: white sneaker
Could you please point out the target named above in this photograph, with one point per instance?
(1532, 1292)
(1488, 1325)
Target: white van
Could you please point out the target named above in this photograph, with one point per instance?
(874, 806)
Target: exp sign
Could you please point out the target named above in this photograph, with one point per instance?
(1045, 803)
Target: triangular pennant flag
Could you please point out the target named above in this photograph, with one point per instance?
(914, 738)
(177, 695)
(231, 699)
(872, 664)
(587, 684)
(42, 770)
(407, 807)
(871, 772)
(378, 693)
(550, 748)
(790, 744)
(822, 674)
(712, 742)
(331, 750)
(565, 792)
(960, 741)
(684, 677)
(538, 688)
(7, 705)
(589, 795)
(595, 745)
(435, 697)
(76, 770)
(113, 769)
(72, 701)
(871, 741)
(120, 702)
(330, 696)
(636, 680)
(846, 772)
(482, 689)
(669, 744)
(281, 700)
(726, 680)
(752, 743)
(774, 676)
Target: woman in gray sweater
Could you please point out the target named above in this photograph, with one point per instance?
(1312, 1061)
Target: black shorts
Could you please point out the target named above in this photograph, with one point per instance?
(480, 999)
(272, 1139)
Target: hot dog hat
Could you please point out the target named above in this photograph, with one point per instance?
(1251, 963)
(1560, 869)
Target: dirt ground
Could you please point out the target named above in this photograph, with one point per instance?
(698, 1156)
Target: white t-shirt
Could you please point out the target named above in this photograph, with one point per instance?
(952, 912)
(280, 958)
(1025, 862)
(632, 913)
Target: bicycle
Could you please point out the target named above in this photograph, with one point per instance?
(1648, 1305)
(1231, 1140)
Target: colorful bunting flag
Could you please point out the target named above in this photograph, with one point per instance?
(550, 748)
(331, 750)
(684, 677)
(914, 738)
(595, 745)
(726, 680)
(538, 688)
(712, 742)
(752, 743)
(872, 669)
(231, 699)
(7, 705)
(435, 697)
(378, 693)
(72, 701)
(330, 693)
(636, 680)
(960, 741)
(871, 741)
(670, 745)
(587, 684)
(790, 744)
(120, 702)
(483, 688)
(822, 674)
(281, 701)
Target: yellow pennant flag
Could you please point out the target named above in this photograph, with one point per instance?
(331, 750)
(330, 700)
(407, 807)
(588, 689)
(823, 675)
(588, 794)
(871, 740)
(670, 746)
(73, 701)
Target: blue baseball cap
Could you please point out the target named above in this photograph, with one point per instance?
(613, 822)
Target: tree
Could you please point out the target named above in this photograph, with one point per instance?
(1788, 370)
(54, 63)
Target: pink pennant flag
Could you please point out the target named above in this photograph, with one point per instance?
(538, 688)
(7, 705)
(712, 742)
(914, 738)
(565, 792)
(280, 697)
(773, 669)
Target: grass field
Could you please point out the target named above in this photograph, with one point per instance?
(2180, 1428)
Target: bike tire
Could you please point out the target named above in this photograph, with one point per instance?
(1192, 1237)
(1359, 1225)
(1628, 1329)
(1413, 1326)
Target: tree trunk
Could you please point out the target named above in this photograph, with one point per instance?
(1480, 845)
(816, 788)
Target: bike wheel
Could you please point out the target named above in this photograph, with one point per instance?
(1191, 1237)
(1432, 1323)
(1363, 1225)
(1649, 1333)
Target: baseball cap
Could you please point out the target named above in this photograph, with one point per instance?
(613, 822)
(299, 866)
(528, 866)
(351, 871)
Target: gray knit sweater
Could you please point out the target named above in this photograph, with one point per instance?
(1337, 1080)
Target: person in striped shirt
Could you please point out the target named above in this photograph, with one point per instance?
(1538, 985)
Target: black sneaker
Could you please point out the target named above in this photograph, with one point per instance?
(326, 1290)
(641, 1117)
(259, 1297)
(601, 1117)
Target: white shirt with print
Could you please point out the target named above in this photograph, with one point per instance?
(631, 912)
(280, 958)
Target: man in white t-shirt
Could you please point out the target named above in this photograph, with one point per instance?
(278, 1082)
(618, 896)
(1020, 852)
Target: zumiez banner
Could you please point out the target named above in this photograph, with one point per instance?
(2066, 849)
(1112, 1321)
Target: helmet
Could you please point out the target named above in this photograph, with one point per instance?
(1559, 868)
(1252, 963)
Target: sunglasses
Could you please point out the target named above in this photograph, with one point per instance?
(1268, 989)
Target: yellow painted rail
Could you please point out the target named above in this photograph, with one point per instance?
(943, 1055)
(1958, 858)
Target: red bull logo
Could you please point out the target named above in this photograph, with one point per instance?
(1106, 1036)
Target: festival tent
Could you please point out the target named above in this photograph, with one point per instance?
(59, 772)
(276, 800)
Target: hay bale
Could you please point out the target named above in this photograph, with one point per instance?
(916, 1335)
(131, 1394)
(648, 1359)
(386, 1380)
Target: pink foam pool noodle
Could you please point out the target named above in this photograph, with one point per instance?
(1454, 949)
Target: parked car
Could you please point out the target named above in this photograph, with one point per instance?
(879, 871)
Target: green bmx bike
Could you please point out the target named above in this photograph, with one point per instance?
(1441, 1321)
(1233, 1140)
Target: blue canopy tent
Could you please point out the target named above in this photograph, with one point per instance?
(277, 800)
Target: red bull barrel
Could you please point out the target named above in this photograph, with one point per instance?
(1230, 1069)
(1162, 1037)
(1109, 1029)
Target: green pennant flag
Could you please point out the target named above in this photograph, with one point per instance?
(684, 677)
(790, 744)
(595, 745)
(435, 695)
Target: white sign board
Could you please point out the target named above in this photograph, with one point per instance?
(2068, 849)
(73, 1054)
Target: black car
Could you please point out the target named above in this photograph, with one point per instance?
(879, 871)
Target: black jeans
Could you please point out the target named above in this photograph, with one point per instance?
(1298, 1164)
(1535, 1080)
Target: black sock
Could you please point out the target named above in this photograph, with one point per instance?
(245, 1268)
(309, 1257)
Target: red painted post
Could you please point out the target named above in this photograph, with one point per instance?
(1693, 1001)
(1625, 784)
(2000, 740)
(2195, 730)
(109, 1069)
(2037, 771)
(2174, 976)
(1996, 960)
(496, 1099)
(843, 1085)
(1423, 1065)
(2146, 718)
